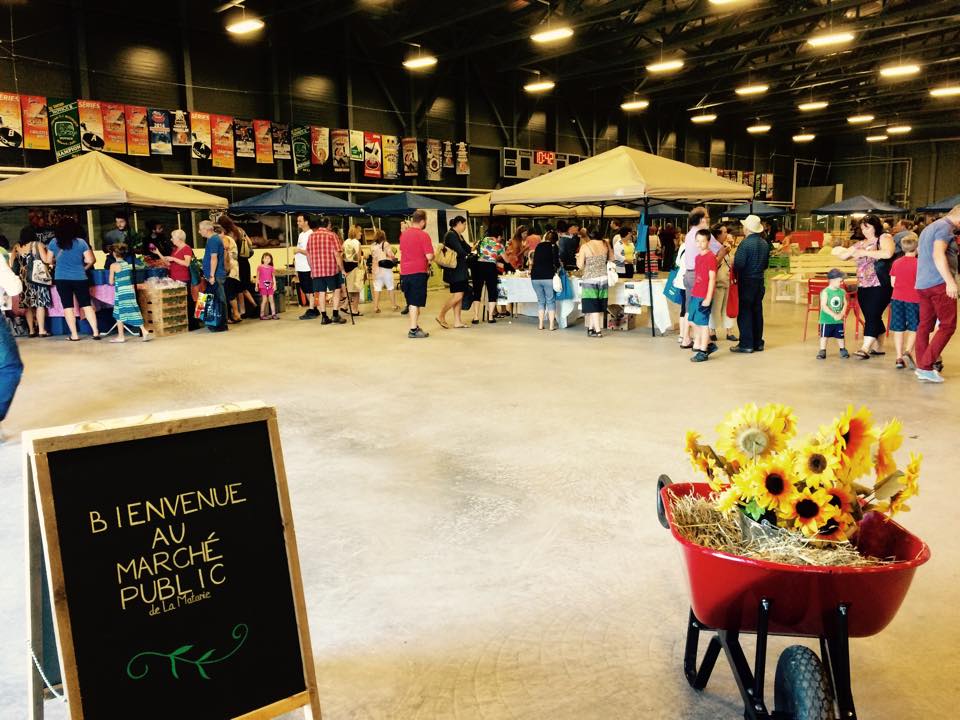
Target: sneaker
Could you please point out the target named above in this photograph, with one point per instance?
(711, 348)
(337, 320)
(844, 354)
(701, 356)
(822, 355)
(325, 320)
(713, 337)
(310, 315)
(900, 364)
(418, 333)
(930, 376)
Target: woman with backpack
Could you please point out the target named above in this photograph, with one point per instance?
(36, 297)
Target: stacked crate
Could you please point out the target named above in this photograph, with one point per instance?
(164, 309)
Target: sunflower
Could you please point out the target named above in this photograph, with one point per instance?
(911, 487)
(889, 441)
(750, 434)
(728, 499)
(789, 420)
(845, 502)
(811, 511)
(817, 463)
(851, 435)
(772, 482)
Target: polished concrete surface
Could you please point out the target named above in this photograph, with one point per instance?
(475, 511)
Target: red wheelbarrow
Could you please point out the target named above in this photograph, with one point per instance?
(730, 595)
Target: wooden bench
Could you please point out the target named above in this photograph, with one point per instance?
(810, 264)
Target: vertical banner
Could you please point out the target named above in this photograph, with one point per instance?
(411, 157)
(64, 128)
(161, 136)
(434, 161)
(243, 138)
(11, 128)
(300, 140)
(263, 140)
(138, 136)
(447, 155)
(356, 145)
(181, 128)
(372, 155)
(202, 148)
(340, 140)
(391, 156)
(463, 159)
(36, 133)
(280, 132)
(114, 128)
(91, 125)
(221, 128)
(319, 145)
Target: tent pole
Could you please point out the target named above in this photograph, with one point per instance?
(649, 267)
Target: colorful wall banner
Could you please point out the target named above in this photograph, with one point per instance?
(372, 155)
(356, 145)
(340, 141)
(448, 155)
(114, 128)
(161, 135)
(202, 148)
(411, 157)
(221, 128)
(246, 146)
(36, 131)
(138, 136)
(281, 141)
(300, 140)
(11, 128)
(263, 139)
(463, 159)
(64, 128)
(180, 126)
(434, 160)
(91, 125)
(391, 156)
(319, 145)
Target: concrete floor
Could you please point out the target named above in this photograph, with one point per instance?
(520, 571)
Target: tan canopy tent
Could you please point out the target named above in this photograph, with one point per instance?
(480, 206)
(98, 179)
(622, 175)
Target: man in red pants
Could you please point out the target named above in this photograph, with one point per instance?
(937, 288)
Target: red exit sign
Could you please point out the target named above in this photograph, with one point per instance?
(545, 157)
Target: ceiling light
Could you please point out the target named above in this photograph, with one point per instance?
(703, 118)
(665, 66)
(859, 119)
(420, 61)
(538, 86)
(830, 38)
(243, 25)
(876, 138)
(948, 91)
(757, 89)
(725, 2)
(812, 105)
(635, 104)
(554, 34)
(803, 137)
(758, 129)
(896, 71)
(899, 129)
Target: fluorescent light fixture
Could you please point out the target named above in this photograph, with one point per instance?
(758, 129)
(665, 66)
(860, 119)
(947, 91)
(419, 62)
(635, 104)
(703, 118)
(898, 71)
(812, 105)
(830, 38)
(803, 137)
(725, 2)
(899, 129)
(553, 34)
(876, 138)
(857, 216)
(243, 25)
(757, 89)
(539, 86)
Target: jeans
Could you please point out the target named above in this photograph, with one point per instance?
(934, 305)
(546, 295)
(11, 368)
(750, 318)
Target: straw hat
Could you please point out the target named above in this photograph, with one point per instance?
(752, 224)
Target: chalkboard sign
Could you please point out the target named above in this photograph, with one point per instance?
(173, 564)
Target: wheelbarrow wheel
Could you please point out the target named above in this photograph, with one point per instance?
(802, 689)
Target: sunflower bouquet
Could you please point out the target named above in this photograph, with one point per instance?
(818, 489)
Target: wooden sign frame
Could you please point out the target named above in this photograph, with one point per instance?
(41, 523)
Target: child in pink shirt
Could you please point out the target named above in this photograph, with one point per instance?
(266, 286)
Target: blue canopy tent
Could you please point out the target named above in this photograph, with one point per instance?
(294, 198)
(760, 209)
(662, 210)
(403, 204)
(945, 205)
(857, 204)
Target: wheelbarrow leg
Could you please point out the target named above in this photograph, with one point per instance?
(698, 678)
(838, 663)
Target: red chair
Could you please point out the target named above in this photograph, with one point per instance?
(853, 306)
(814, 287)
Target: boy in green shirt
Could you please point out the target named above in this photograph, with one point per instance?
(833, 305)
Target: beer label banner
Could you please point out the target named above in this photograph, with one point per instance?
(64, 128)
(114, 128)
(356, 145)
(434, 161)
(300, 140)
(280, 133)
(319, 145)
(411, 157)
(180, 124)
(391, 156)
(372, 155)
(243, 138)
(202, 148)
(340, 141)
(448, 155)
(138, 136)
(91, 125)
(161, 136)
(221, 127)
(36, 132)
(11, 129)
(463, 159)
(263, 139)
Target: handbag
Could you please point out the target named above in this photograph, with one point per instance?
(200, 310)
(612, 275)
(557, 282)
(446, 257)
(39, 270)
(733, 297)
(567, 292)
(670, 290)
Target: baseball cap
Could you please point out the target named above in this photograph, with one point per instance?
(834, 274)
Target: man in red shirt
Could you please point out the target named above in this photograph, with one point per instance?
(325, 255)
(416, 252)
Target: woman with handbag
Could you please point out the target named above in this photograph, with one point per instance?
(544, 266)
(594, 283)
(30, 260)
(718, 308)
(456, 277)
(353, 269)
(238, 284)
(384, 260)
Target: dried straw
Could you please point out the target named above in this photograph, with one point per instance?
(699, 521)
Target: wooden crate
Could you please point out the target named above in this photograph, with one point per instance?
(164, 310)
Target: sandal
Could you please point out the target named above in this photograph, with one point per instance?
(686, 347)
(442, 323)
(33, 334)
(862, 355)
(900, 364)
(910, 361)
(877, 352)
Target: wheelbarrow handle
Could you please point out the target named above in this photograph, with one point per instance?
(662, 482)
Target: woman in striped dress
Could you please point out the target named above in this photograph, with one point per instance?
(594, 291)
(125, 308)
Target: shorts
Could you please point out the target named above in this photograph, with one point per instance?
(697, 313)
(904, 316)
(70, 289)
(383, 279)
(306, 281)
(327, 283)
(415, 289)
(832, 330)
(485, 276)
(232, 287)
(459, 286)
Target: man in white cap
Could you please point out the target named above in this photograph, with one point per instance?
(749, 264)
